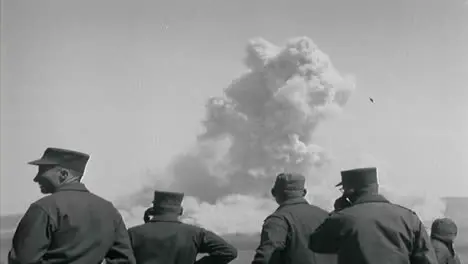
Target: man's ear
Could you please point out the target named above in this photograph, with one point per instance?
(304, 192)
(63, 175)
(181, 211)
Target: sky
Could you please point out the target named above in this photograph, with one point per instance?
(127, 82)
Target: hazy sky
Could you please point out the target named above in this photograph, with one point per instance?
(126, 81)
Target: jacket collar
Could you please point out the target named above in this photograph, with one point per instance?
(445, 242)
(75, 186)
(298, 200)
(370, 198)
(165, 218)
(442, 238)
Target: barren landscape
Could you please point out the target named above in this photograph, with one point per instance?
(246, 244)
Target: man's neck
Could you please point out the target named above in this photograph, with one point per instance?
(70, 181)
(65, 183)
(165, 217)
(362, 193)
(290, 200)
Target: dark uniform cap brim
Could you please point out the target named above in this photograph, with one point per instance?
(358, 177)
(167, 199)
(69, 159)
(289, 182)
(39, 162)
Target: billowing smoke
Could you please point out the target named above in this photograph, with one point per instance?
(263, 125)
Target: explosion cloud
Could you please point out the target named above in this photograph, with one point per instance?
(263, 125)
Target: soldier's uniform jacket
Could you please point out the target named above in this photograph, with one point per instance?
(166, 240)
(71, 226)
(443, 234)
(444, 252)
(285, 234)
(373, 230)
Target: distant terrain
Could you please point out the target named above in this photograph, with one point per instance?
(246, 244)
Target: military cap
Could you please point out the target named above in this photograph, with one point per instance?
(65, 158)
(167, 200)
(357, 178)
(444, 229)
(289, 182)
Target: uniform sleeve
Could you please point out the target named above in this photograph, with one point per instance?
(218, 250)
(121, 251)
(423, 251)
(272, 241)
(442, 253)
(32, 237)
(327, 238)
(131, 238)
(442, 256)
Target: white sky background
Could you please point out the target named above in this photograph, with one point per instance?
(126, 81)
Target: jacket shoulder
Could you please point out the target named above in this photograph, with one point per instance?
(279, 214)
(406, 210)
(318, 210)
(52, 198)
(394, 206)
(192, 228)
(136, 229)
(284, 210)
(403, 211)
(181, 226)
(58, 201)
(46, 201)
(102, 200)
(410, 216)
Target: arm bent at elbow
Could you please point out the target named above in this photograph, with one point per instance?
(32, 236)
(326, 238)
(272, 242)
(423, 251)
(121, 251)
(218, 250)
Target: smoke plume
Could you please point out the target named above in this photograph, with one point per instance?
(263, 125)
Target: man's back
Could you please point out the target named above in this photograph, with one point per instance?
(303, 219)
(377, 232)
(74, 226)
(381, 231)
(299, 219)
(166, 240)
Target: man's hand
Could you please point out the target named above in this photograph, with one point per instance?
(341, 203)
(148, 213)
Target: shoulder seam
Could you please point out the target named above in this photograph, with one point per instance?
(274, 215)
(45, 211)
(401, 206)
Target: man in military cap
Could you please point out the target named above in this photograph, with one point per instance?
(71, 225)
(285, 233)
(443, 234)
(164, 239)
(370, 229)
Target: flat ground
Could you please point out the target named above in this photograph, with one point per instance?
(244, 256)
(245, 245)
